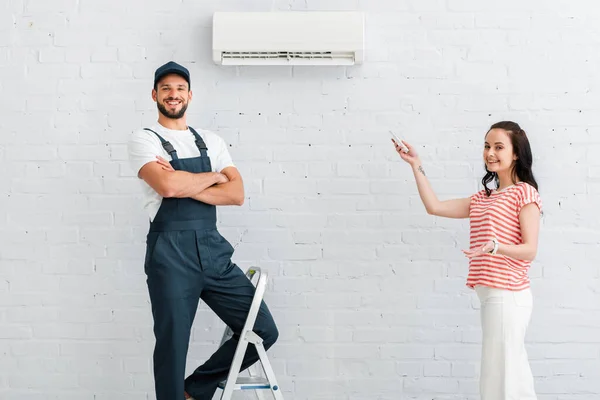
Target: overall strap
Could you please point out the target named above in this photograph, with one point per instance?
(199, 143)
(166, 145)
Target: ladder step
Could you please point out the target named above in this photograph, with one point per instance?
(253, 338)
(249, 383)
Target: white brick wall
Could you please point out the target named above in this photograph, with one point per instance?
(367, 289)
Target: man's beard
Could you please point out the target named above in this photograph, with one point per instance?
(172, 115)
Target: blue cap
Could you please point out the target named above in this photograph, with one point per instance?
(172, 68)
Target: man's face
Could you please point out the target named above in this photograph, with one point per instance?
(172, 95)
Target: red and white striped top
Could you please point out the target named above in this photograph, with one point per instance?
(497, 216)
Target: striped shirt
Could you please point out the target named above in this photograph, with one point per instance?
(497, 216)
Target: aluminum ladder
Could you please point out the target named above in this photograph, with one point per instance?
(256, 380)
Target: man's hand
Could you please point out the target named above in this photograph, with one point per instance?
(165, 164)
(221, 178)
(222, 194)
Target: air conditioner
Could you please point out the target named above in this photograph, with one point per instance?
(288, 38)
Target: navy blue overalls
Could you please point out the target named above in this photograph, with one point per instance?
(187, 259)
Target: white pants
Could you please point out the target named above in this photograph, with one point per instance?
(505, 371)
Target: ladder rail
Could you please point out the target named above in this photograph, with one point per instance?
(251, 273)
(275, 389)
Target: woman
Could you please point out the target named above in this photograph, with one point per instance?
(504, 224)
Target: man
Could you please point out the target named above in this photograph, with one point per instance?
(186, 257)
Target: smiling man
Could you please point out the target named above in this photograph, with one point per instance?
(185, 173)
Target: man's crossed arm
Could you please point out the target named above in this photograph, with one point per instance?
(216, 188)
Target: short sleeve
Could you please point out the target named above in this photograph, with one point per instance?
(476, 198)
(527, 195)
(221, 158)
(143, 148)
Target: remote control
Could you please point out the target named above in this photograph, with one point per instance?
(399, 142)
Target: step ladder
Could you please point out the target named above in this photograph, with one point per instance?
(256, 380)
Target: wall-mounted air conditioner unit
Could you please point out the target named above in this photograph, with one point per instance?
(288, 38)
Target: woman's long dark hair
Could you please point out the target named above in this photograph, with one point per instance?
(522, 166)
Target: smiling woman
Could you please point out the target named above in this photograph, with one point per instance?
(504, 223)
(507, 153)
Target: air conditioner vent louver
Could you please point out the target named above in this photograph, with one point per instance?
(284, 54)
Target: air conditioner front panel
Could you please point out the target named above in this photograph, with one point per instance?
(297, 35)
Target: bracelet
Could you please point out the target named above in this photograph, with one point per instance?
(496, 244)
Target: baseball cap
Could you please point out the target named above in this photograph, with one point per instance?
(172, 68)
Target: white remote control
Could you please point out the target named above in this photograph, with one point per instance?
(399, 142)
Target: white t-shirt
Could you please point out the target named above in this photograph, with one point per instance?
(144, 146)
